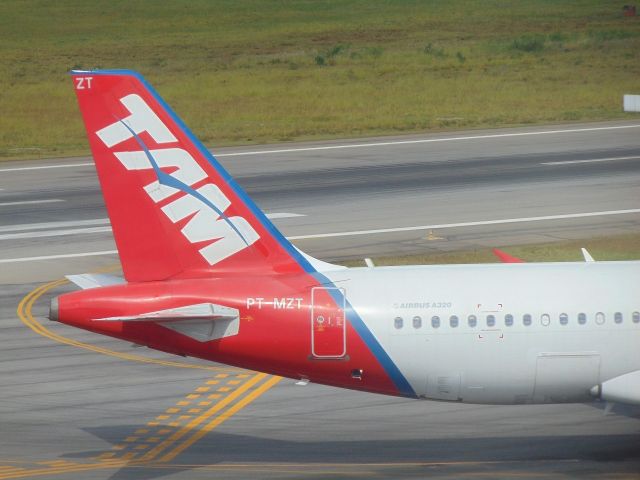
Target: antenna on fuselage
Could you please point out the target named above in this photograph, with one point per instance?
(587, 256)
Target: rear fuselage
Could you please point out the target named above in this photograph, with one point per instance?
(526, 333)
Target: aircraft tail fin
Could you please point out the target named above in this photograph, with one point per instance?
(174, 210)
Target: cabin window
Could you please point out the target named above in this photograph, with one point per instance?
(417, 322)
(473, 321)
(617, 317)
(582, 318)
(453, 321)
(545, 319)
(635, 317)
(526, 319)
(398, 323)
(491, 320)
(600, 318)
(508, 320)
(435, 321)
(564, 319)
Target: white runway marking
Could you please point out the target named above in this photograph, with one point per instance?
(274, 216)
(368, 232)
(31, 202)
(44, 167)
(55, 257)
(54, 233)
(593, 160)
(426, 140)
(465, 224)
(363, 145)
(97, 225)
(41, 226)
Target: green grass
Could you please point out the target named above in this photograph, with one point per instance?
(266, 71)
(619, 247)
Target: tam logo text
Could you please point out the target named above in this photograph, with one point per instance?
(203, 206)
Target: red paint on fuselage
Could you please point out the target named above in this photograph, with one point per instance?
(270, 339)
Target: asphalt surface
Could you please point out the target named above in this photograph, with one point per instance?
(76, 405)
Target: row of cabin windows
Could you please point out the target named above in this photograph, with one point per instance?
(527, 319)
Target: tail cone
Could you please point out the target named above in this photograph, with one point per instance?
(53, 309)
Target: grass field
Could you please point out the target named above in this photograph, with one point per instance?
(619, 247)
(264, 71)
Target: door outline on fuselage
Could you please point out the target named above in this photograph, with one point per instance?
(324, 302)
(574, 372)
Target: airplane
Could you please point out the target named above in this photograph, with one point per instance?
(207, 275)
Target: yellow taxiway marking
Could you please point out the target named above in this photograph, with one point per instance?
(222, 417)
(8, 470)
(159, 440)
(57, 463)
(178, 434)
(227, 405)
(164, 438)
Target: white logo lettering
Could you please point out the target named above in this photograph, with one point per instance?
(204, 206)
(142, 119)
(206, 224)
(83, 83)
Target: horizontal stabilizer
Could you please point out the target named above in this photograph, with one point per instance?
(505, 257)
(200, 311)
(95, 280)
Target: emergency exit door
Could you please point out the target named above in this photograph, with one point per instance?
(328, 323)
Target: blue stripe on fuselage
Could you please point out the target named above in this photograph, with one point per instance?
(369, 339)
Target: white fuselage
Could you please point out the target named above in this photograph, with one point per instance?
(543, 332)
